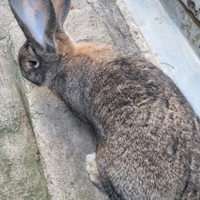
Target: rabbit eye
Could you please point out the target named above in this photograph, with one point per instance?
(32, 64)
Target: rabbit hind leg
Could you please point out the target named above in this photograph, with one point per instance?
(101, 181)
(93, 171)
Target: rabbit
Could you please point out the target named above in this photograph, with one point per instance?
(147, 134)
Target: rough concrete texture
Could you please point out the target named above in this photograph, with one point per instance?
(187, 24)
(193, 6)
(121, 27)
(28, 111)
(21, 171)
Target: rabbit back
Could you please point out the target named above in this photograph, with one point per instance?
(148, 142)
(152, 142)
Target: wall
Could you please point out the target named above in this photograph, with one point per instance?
(187, 20)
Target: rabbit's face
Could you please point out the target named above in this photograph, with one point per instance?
(33, 66)
(39, 21)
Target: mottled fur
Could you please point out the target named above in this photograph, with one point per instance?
(148, 137)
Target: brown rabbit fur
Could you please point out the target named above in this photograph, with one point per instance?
(147, 135)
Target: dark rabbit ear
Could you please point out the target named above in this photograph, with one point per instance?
(37, 20)
(62, 8)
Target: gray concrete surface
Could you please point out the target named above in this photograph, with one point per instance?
(21, 171)
(188, 25)
(193, 6)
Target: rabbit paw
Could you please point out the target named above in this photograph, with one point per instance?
(92, 169)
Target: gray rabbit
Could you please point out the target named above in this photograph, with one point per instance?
(147, 135)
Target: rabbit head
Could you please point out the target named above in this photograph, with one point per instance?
(39, 21)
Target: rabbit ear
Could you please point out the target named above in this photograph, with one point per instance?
(37, 20)
(62, 8)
